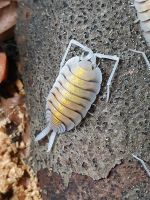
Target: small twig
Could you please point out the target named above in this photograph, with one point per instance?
(143, 164)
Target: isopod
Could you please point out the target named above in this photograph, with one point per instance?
(143, 13)
(74, 91)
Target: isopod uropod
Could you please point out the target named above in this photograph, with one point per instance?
(143, 13)
(74, 91)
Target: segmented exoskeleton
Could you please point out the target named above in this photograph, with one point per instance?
(143, 13)
(74, 91)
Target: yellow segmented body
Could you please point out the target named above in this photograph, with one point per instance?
(143, 12)
(72, 95)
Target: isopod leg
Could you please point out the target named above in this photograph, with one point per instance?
(51, 141)
(43, 133)
(76, 43)
(115, 58)
(144, 56)
(143, 163)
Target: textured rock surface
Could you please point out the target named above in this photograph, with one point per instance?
(120, 184)
(116, 129)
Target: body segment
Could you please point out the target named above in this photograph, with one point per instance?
(143, 13)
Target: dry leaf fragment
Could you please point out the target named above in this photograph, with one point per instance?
(8, 16)
(20, 87)
(4, 3)
(15, 119)
(3, 66)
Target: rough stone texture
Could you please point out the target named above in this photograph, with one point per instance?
(116, 129)
(120, 184)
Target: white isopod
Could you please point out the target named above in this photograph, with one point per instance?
(143, 13)
(74, 91)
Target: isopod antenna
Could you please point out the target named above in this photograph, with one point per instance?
(78, 44)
